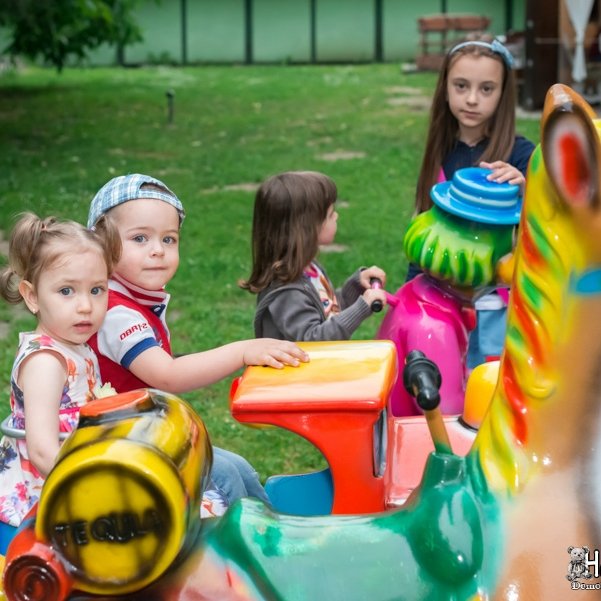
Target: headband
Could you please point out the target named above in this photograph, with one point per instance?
(494, 46)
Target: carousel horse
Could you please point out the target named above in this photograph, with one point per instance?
(502, 523)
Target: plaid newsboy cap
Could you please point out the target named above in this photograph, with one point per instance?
(129, 187)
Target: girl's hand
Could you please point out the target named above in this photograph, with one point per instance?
(372, 294)
(372, 272)
(274, 353)
(504, 172)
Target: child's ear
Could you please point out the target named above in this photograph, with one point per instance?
(29, 295)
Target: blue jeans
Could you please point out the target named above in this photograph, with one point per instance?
(235, 477)
(488, 338)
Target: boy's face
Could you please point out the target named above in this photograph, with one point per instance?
(149, 231)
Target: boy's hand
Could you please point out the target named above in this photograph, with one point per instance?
(504, 172)
(274, 353)
(372, 272)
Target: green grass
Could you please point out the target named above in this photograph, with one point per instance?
(63, 136)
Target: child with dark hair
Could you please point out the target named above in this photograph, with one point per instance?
(294, 213)
(472, 123)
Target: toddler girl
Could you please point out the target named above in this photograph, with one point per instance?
(60, 270)
(294, 213)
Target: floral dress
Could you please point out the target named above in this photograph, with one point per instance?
(20, 482)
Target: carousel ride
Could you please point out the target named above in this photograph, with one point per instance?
(497, 519)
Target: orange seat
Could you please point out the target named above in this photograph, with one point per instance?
(336, 401)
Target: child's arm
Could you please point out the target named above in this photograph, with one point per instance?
(42, 378)
(359, 284)
(182, 374)
(296, 315)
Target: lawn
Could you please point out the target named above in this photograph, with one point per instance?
(63, 136)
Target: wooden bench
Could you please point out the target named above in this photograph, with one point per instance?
(439, 33)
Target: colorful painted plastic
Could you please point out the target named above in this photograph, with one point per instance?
(438, 323)
(411, 439)
(121, 504)
(472, 196)
(458, 244)
(336, 402)
(347, 422)
(496, 524)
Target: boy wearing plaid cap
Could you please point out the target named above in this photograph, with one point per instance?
(133, 344)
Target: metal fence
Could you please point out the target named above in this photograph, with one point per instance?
(293, 31)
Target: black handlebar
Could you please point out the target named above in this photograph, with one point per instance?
(422, 380)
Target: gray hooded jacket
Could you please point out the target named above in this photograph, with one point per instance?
(294, 311)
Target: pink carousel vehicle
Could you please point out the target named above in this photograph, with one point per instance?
(458, 244)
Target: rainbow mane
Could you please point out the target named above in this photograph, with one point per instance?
(546, 254)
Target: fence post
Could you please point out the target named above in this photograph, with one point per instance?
(184, 25)
(248, 33)
(378, 18)
(313, 32)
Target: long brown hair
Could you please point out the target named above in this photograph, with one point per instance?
(442, 133)
(290, 209)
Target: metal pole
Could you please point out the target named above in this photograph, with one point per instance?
(248, 21)
(170, 106)
(508, 15)
(184, 26)
(378, 18)
(313, 26)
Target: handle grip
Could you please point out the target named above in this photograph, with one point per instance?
(421, 378)
(376, 305)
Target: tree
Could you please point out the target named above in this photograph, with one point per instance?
(57, 30)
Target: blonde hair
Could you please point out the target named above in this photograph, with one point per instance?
(36, 244)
